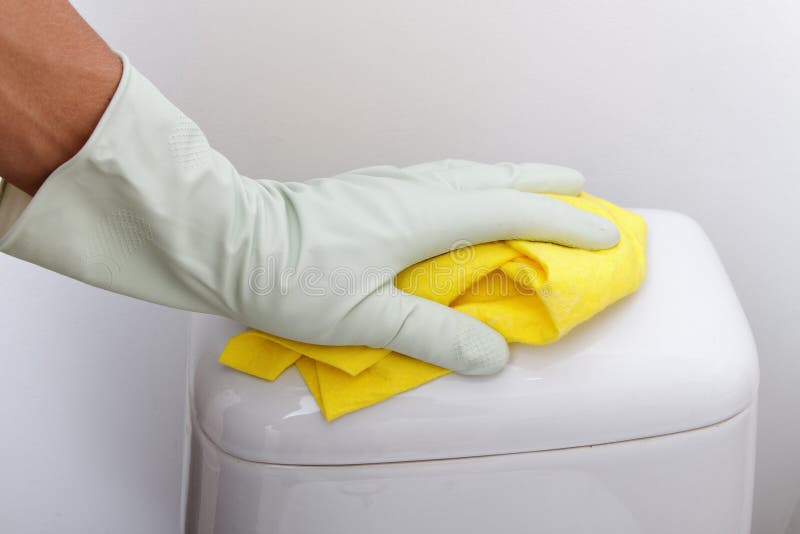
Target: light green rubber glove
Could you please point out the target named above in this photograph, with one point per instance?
(147, 209)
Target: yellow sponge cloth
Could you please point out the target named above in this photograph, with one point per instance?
(530, 292)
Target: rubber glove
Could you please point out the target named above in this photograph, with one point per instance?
(148, 209)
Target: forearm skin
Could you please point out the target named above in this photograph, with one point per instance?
(57, 76)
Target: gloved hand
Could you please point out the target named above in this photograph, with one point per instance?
(147, 209)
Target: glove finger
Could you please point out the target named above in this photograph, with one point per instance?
(434, 333)
(501, 214)
(465, 175)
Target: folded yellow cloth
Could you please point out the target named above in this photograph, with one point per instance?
(530, 292)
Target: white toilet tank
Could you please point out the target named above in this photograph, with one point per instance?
(642, 420)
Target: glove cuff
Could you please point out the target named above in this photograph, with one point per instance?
(139, 208)
(24, 228)
(12, 203)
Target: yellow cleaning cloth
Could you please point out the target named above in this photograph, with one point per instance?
(530, 292)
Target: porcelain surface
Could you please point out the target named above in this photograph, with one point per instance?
(694, 482)
(675, 356)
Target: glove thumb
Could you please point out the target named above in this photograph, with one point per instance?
(434, 333)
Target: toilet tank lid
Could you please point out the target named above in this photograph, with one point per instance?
(675, 356)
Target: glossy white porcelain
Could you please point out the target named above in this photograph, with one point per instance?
(641, 421)
(676, 355)
(694, 482)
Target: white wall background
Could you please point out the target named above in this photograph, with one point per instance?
(684, 105)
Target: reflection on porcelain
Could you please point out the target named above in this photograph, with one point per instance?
(307, 406)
